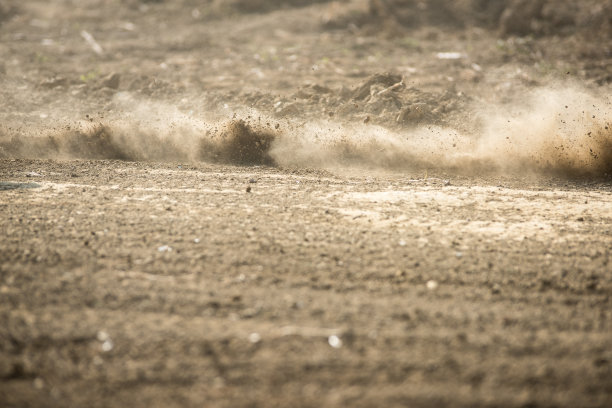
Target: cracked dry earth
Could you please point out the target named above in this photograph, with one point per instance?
(148, 284)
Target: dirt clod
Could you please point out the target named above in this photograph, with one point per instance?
(240, 143)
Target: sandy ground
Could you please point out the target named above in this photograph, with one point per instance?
(241, 204)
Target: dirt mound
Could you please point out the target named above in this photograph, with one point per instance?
(383, 99)
(239, 142)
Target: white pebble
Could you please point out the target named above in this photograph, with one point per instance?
(432, 284)
(102, 336)
(107, 345)
(334, 341)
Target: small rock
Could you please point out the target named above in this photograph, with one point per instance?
(107, 345)
(164, 248)
(431, 284)
(102, 335)
(254, 337)
(248, 189)
(111, 81)
(496, 289)
(334, 341)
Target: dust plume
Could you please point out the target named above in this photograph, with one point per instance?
(144, 130)
(557, 132)
(566, 132)
(554, 132)
(134, 130)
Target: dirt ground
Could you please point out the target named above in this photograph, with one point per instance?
(305, 203)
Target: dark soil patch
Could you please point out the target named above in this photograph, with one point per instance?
(240, 143)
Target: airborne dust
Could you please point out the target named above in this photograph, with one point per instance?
(549, 130)
(408, 203)
(419, 99)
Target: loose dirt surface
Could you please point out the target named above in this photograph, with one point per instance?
(319, 204)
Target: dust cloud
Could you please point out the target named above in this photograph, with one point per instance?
(559, 132)
(564, 132)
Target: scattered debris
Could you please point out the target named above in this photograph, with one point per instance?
(384, 79)
(449, 55)
(92, 42)
(393, 87)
